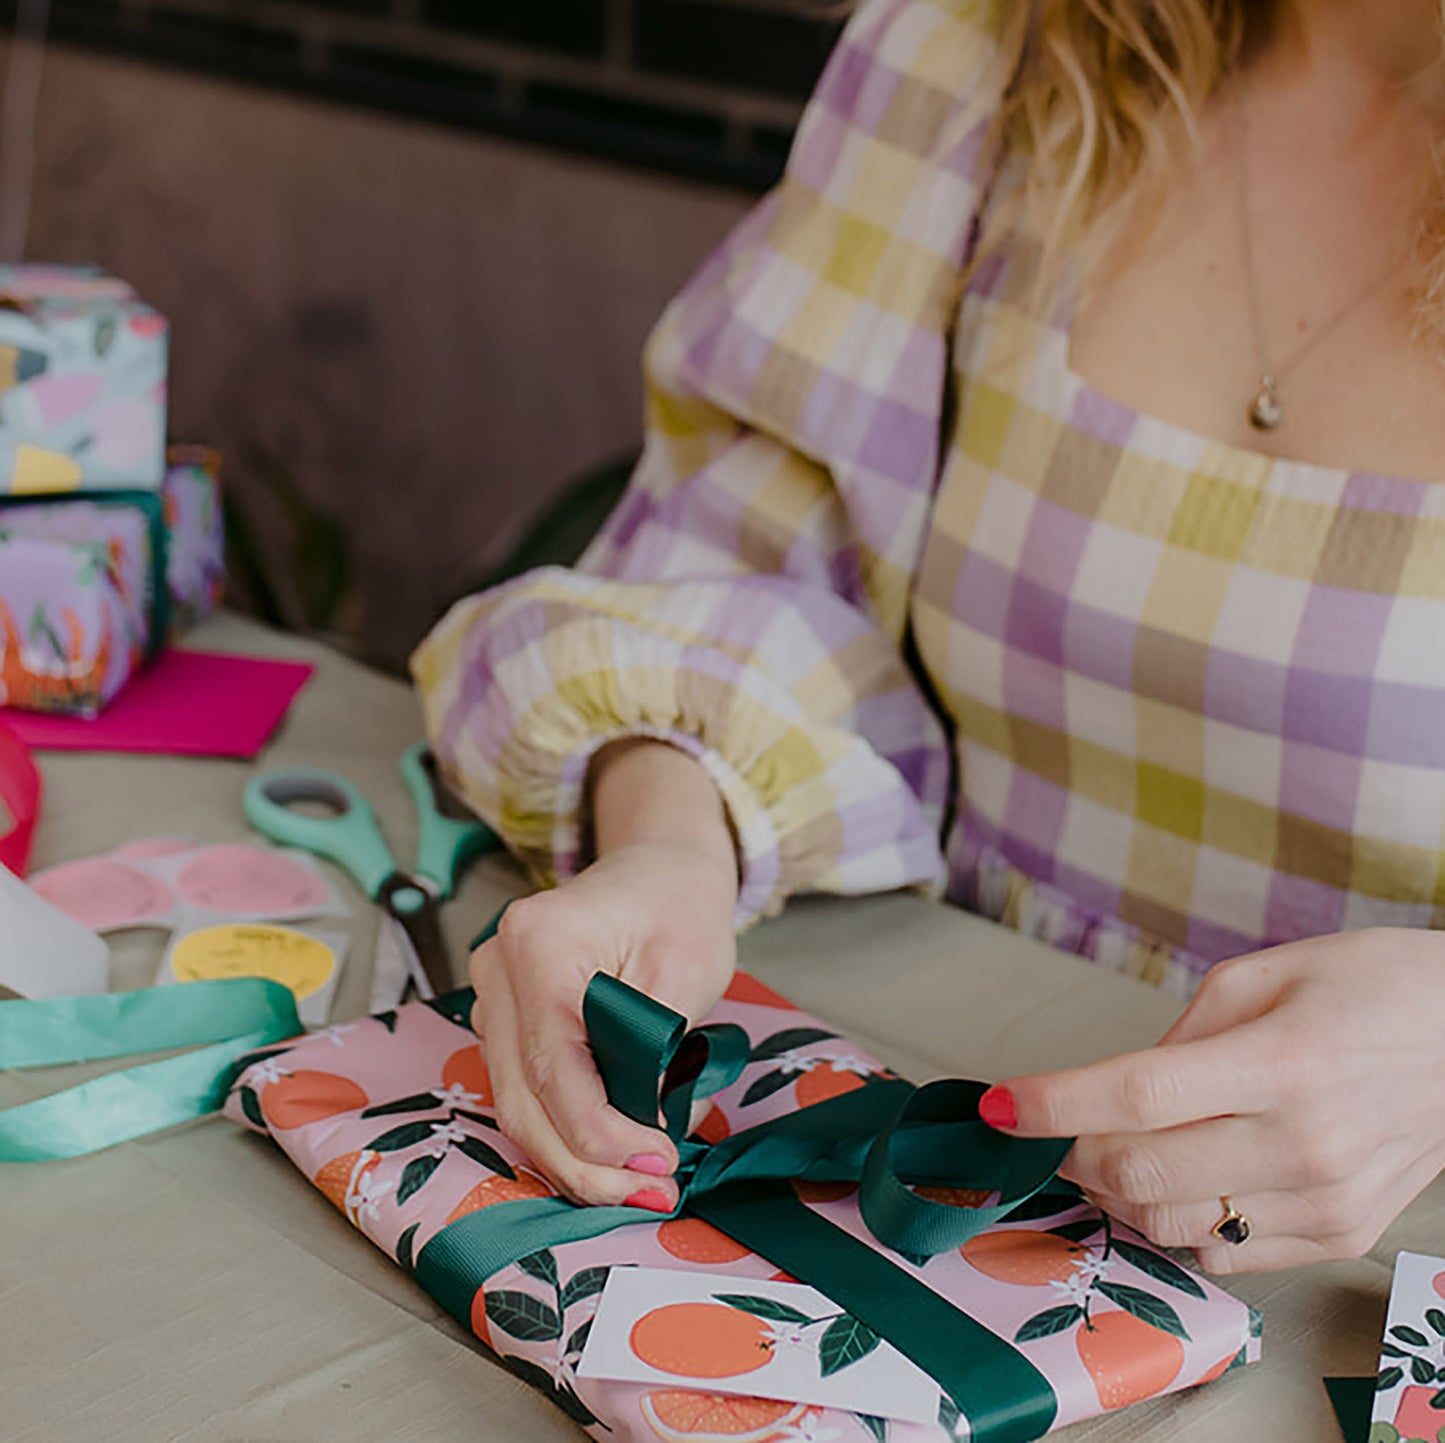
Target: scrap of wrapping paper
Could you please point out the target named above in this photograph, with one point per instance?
(186, 703)
(20, 795)
(391, 1118)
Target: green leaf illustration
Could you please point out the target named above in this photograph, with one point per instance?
(1158, 1267)
(1146, 1307)
(478, 1151)
(1388, 1378)
(574, 1407)
(1077, 1232)
(919, 1260)
(763, 1308)
(767, 1085)
(404, 1245)
(586, 1284)
(1406, 1334)
(540, 1265)
(387, 1019)
(418, 1102)
(788, 1040)
(1436, 1319)
(407, 1135)
(1059, 1198)
(578, 1341)
(1393, 1350)
(1421, 1371)
(878, 1427)
(251, 1106)
(949, 1416)
(523, 1317)
(845, 1342)
(1438, 1401)
(480, 1117)
(1049, 1322)
(455, 1007)
(415, 1176)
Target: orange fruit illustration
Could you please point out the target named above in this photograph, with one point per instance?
(682, 1416)
(714, 1127)
(702, 1340)
(500, 1189)
(744, 988)
(955, 1197)
(1222, 1367)
(337, 1177)
(1030, 1259)
(303, 1097)
(695, 1241)
(1128, 1359)
(823, 1082)
(1415, 1418)
(466, 1067)
(480, 1325)
(822, 1192)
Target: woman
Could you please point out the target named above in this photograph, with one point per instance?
(1050, 464)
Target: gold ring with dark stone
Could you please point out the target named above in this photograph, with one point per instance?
(1233, 1228)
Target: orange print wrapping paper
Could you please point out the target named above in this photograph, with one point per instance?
(391, 1118)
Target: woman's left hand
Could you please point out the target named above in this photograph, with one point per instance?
(1305, 1083)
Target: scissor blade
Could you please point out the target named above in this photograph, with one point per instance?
(391, 965)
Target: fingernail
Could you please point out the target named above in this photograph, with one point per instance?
(651, 1198)
(997, 1108)
(652, 1163)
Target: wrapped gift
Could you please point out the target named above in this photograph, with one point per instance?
(79, 582)
(82, 382)
(195, 535)
(1045, 1314)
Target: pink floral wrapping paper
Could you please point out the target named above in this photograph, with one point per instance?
(390, 1118)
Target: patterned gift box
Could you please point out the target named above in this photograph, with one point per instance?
(195, 535)
(391, 1118)
(77, 583)
(82, 382)
(92, 583)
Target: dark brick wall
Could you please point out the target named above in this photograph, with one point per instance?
(705, 88)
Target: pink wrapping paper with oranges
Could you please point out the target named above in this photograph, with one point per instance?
(391, 1118)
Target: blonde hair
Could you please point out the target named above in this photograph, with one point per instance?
(1104, 91)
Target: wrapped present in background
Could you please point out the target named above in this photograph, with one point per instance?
(82, 382)
(77, 601)
(392, 1119)
(195, 534)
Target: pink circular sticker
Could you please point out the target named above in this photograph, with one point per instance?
(149, 847)
(1439, 1284)
(104, 894)
(243, 881)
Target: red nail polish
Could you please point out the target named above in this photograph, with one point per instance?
(651, 1198)
(997, 1108)
(651, 1163)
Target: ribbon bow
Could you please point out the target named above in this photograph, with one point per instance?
(887, 1137)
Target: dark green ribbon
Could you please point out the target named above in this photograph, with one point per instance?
(887, 1136)
(235, 1015)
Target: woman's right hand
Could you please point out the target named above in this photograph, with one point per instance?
(656, 909)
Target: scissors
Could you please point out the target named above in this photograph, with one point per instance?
(449, 838)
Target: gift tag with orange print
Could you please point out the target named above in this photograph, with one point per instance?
(308, 962)
(755, 1339)
(1410, 1384)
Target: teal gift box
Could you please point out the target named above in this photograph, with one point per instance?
(82, 382)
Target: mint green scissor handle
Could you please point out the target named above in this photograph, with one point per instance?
(447, 842)
(350, 837)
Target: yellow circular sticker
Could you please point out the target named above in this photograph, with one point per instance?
(244, 950)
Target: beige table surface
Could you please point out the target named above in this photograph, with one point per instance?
(193, 1286)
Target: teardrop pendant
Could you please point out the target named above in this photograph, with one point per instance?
(1266, 413)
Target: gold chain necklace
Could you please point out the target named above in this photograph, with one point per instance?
(1266, 411)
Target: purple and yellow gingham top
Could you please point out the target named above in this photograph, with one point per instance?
(1186, 700)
